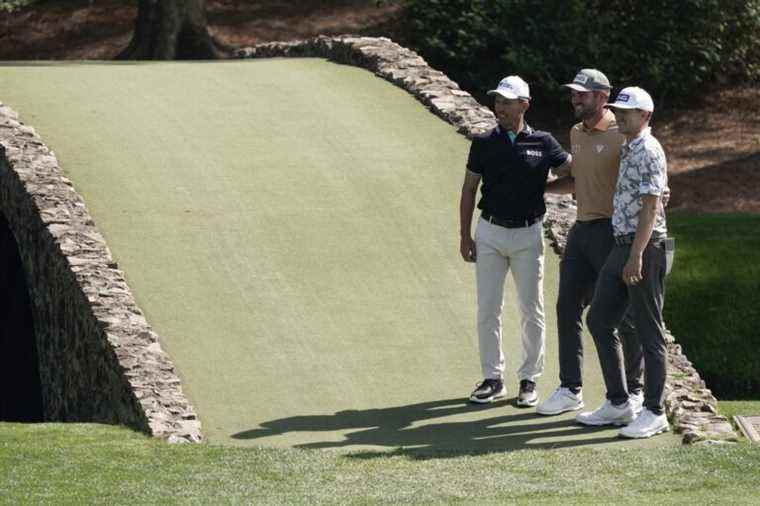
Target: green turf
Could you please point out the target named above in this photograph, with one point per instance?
(290, 230)
(711, 304)
(91, 464)
(732, 408)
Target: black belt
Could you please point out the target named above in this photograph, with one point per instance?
(622, 240)
(594, 222)
(512, 223)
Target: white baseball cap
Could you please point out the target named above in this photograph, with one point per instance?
(633, 97)
(512, 87)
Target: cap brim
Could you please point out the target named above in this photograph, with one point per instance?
(620, 106)
(577, 87)
(506, 94)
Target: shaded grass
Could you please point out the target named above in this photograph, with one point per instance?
(711, 302)
(56, 463)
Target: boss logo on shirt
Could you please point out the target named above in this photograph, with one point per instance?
(534, 153)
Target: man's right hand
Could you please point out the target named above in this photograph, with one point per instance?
(467, 249)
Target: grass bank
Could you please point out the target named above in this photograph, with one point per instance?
(297, 255)
(711, 302)
(733, 408)
(93, 464)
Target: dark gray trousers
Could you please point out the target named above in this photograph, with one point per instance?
(611, 299)
(588, 246)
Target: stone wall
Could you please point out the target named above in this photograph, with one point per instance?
(99, 359)
(690, 405)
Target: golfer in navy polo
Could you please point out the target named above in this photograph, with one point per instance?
(510, 164)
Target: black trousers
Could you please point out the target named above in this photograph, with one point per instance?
(611, 300)
(588, 246)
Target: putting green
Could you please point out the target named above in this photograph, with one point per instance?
(290, 229)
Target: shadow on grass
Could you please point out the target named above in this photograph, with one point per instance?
(399, 428)
(711, 302)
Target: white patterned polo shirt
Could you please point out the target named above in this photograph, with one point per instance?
(643, 171)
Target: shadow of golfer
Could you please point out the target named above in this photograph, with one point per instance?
(399, 428)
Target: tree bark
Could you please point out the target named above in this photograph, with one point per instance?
(172, 30)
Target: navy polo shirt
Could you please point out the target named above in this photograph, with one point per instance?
(514, 173)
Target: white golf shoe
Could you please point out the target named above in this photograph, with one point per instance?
(607, 414)
(647, 424)
(637, 402)
(563, 399)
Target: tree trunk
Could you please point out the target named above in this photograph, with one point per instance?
(172, 30)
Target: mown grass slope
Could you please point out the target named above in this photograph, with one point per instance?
(290, 228)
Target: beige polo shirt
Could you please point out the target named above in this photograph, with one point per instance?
(596, 159)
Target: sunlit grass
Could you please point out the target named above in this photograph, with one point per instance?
(72, 463)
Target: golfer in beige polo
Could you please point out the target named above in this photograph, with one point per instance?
(595, 143)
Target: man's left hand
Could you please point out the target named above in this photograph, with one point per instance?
(632, 270)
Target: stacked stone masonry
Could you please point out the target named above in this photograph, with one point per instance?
(690, 405)
(100, 360)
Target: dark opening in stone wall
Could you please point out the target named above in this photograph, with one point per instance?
(20, 392)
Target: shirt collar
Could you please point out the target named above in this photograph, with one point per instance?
(639, 140)
(527, 130)
(605, 123)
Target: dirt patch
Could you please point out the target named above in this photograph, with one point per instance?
(66, 31)
(76, 30)
(245, 25)
(713, 148)
(714, 152)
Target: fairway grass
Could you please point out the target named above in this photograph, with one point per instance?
(290, 229)
(94, 464)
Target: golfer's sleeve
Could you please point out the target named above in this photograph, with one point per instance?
(475, 158)
(653, 169)
(557, 155)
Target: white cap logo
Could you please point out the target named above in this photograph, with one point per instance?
(633, 97)
(512, 87)
(581, 79)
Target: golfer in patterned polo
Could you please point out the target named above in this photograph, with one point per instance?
(634, 272)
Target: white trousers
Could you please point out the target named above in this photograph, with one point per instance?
(498, 250)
